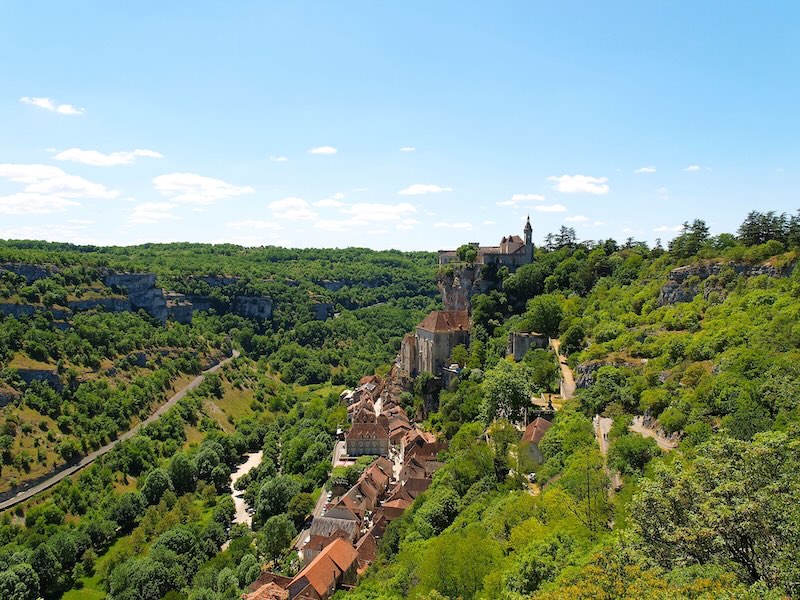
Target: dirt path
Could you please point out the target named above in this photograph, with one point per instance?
(602, 427)
(567, 378)
(67, 470)
(663, 443)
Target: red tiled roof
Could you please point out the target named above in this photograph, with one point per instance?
(328, 566)
(366, 431)
(536, 430)
(446, 320)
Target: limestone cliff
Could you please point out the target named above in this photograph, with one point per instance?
(142, 291)
(458, 284)
(684, 283)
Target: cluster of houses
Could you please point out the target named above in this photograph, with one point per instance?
(343, 541)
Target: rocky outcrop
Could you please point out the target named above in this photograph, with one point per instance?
(31, 273)
(142, 291)
(107, 304)
(48, 376)
(255, 307)
(17, 310)
(323, 311)
(8, 395)
(459, 284)
(11, 309)
(585, 372)
(684, 283)
(335, 286)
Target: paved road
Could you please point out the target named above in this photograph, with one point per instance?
(639, 427)
(66, 471)
(567, 379)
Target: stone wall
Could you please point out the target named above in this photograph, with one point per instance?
(459, 284)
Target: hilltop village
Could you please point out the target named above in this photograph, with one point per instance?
(347, 525)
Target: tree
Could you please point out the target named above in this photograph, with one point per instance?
(459, 355)
(274, 496)
(276, 535)
(19, 582)
(182, 473)
(692, 237)
(155, 485)
(572, 340)
(129, 507)
(300, 507)
(506, 392)
(736, 503)
(630, 453)
(544, 314)
(585, 480)
(467, 253)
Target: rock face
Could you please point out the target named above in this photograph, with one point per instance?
(459, 284)
(684, 283)
(335, 286)
(142, 291)
(46, 375)
(107, 304)
(323, 311)
(30, 272)
(258, 307)
(17, 310)
(585, 372)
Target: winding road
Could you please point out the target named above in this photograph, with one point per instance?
(70, 469)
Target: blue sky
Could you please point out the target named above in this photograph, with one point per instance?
(412, 125)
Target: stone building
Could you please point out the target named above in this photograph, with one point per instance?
(366, 436)
(512, 251)
(520, 343)
(432, 344)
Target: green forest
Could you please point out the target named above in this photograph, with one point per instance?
(698, 342)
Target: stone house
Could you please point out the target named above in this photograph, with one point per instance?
(532, 436)
(334, 568)
(520, 343)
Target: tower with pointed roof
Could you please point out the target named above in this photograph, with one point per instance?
(528, 240)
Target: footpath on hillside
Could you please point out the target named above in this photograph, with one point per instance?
(70, 469)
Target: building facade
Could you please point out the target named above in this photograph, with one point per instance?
(513, 251)
(432, 345)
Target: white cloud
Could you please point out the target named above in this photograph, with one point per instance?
(334, 201)
(98, 159)
(663, 193)
(423, 188)
(323, 150)
(645, 170)
(407, 224)
(365, 212)
(580, 184)
(598, 223)
(407, 149)
(692, 168)
(278, 158)
(255, 224)
(576, 219)
(292, 209)
(447, 225)
(519, 198)
(190, 188)
(47, 189)
(152, 212)
(488, 222)
(33, 204)
(674, 228)
(550, 208)
(50, 105)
